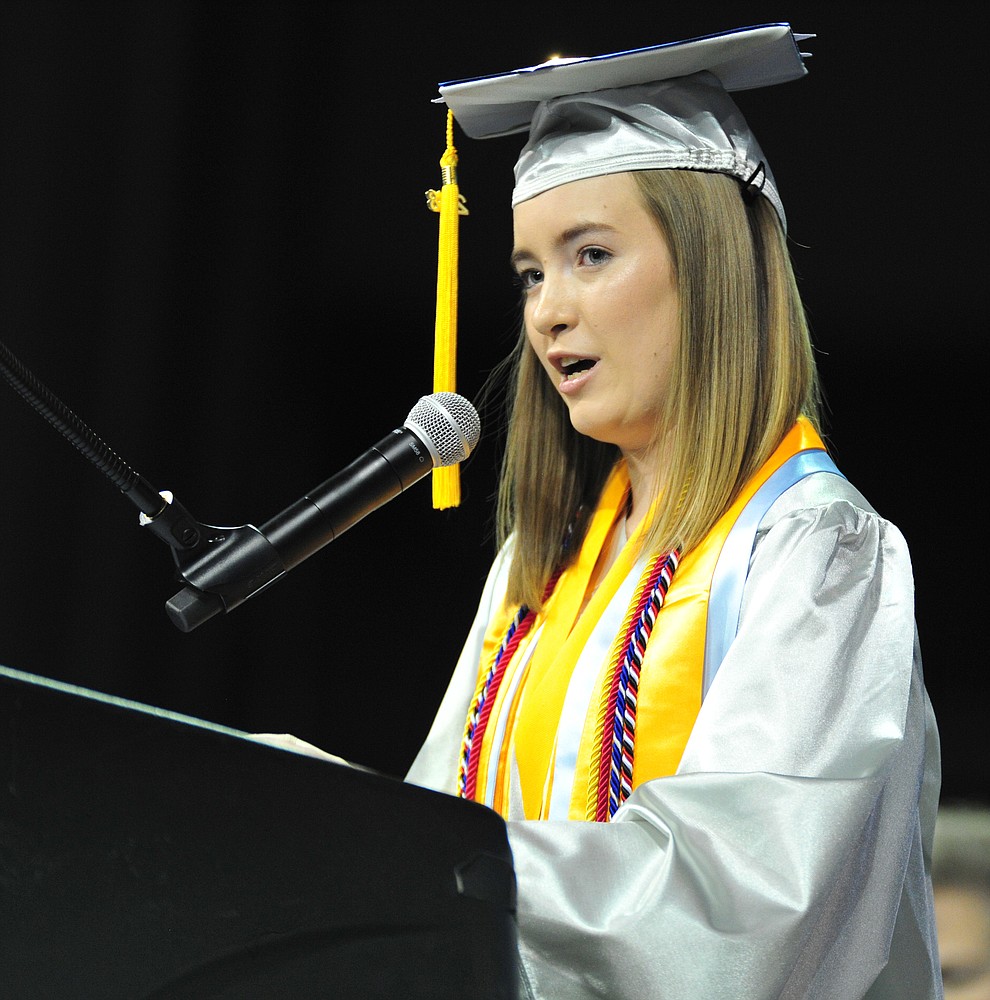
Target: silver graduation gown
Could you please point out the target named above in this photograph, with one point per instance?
(789, 854)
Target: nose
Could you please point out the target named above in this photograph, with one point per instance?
(552, 310)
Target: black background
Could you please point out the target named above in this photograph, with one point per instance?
(214, 248)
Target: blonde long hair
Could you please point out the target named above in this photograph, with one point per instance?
(743, 372)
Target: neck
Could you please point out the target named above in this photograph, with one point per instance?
(643, 479)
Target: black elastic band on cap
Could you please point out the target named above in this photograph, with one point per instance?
(750, 189)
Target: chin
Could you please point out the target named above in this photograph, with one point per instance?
(596, 430)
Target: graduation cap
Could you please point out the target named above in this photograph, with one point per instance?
(662, 107)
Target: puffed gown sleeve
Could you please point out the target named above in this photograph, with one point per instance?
(788, 855)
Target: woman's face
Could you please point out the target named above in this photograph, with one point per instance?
(600, 304)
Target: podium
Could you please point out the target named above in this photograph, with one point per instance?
(146, 855)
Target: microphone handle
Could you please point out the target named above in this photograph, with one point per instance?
(233, 564)
(325, 513)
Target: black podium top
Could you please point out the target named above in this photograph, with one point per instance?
(145, 854)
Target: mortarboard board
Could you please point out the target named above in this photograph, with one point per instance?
(661, 107)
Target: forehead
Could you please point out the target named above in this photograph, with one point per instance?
(610, 201)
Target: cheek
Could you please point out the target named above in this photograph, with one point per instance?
(642, 296)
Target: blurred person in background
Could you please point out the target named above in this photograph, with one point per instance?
(961, 878)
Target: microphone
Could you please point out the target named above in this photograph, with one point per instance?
(229, 565)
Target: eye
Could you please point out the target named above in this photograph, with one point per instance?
(528, 278)
(593, 256)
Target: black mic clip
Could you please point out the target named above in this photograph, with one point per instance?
(221, 567)
(229, 566)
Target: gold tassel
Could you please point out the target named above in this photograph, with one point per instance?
(450, 204)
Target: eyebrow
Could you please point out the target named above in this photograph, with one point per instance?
(567, 236)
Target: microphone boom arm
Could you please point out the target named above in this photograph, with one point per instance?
(171, 522)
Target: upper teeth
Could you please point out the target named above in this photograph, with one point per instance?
(571, 366)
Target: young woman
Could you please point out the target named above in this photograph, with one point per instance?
(693, 686)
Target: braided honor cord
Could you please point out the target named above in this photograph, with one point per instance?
(618, 733)
(484, 698)
(481, 704)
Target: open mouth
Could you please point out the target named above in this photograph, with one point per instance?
(571, 367)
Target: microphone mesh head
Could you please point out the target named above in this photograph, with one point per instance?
(449, 425)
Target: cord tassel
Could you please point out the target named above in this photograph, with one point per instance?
(449, 203)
